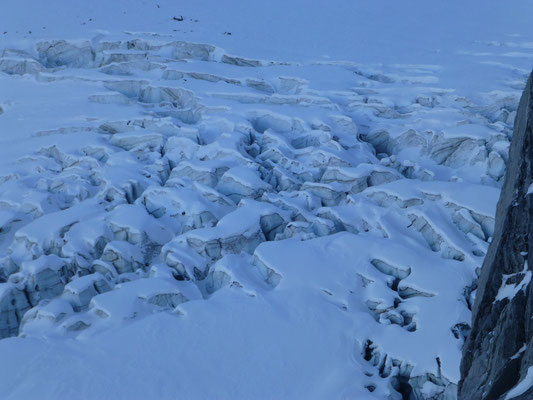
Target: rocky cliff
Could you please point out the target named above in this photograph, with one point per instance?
(498, 355)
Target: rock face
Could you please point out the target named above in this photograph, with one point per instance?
(498, 355)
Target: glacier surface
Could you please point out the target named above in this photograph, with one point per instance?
(248, 201)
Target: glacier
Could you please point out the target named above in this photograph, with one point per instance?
(249, 201)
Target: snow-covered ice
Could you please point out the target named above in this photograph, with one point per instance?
(233, 200)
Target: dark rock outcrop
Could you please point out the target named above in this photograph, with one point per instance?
(499, 350)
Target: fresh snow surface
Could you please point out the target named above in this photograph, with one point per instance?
(249, 200)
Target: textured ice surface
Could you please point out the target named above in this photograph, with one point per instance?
(187, 212)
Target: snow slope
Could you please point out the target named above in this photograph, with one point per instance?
(280, 200)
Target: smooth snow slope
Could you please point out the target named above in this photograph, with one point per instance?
(447, 33)
(294, 210)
